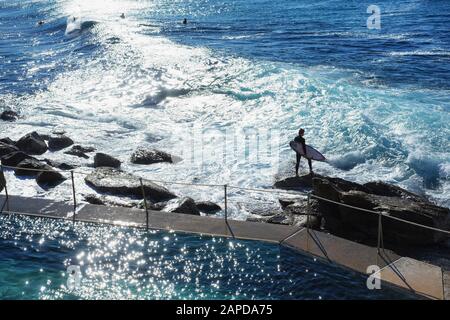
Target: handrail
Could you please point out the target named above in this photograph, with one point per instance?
(273, 191)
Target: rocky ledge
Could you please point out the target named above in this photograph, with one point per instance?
(357, 225)
(118, 182)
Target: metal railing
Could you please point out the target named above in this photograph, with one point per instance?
(309, 196)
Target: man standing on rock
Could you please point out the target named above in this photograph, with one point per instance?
(300, 140)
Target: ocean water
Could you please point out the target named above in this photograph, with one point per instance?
(123, 263)
(240, 78)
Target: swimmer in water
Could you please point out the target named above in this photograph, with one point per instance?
(184, 21)
(122, 15)
(40, 23)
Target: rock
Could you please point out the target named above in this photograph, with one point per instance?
(103, 201)
(155, 206)
(7, 141)
(346, 221)
(388, 190)
(32, 143)
(76, 153)
(284, 202)
(93, 199)
(14, 158)
(302, 183)
(49, 179)
(260, 208)
(82, 149)
(104, 160)
(184, 205)
(7, 149)
(150, 156)
(60, 165)
(117, 182)
(30, 164)
(208, 207)
(281, 219)
(9, 115)
(315, 222)
(59, 142)
(2, 181)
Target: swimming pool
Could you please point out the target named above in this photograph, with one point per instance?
(125, 263)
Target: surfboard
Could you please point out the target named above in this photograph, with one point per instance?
(311, 153)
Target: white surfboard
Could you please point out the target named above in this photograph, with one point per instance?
(311, 153)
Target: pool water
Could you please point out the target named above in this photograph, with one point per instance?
(125, 263)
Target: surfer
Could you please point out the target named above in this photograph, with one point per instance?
(184, 21)
(299, 139)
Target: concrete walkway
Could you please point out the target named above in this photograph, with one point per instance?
(415, 276)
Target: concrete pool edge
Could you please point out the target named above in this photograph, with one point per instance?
(415, 276)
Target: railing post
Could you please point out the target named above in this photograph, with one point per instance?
(308, 211)
(74, 196)
(225, 187)
(6, 187)
(145, 202)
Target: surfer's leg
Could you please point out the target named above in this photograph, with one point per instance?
(297, 165)
(310, 166)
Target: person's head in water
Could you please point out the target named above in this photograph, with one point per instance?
(122, 15)
(301, 132)
(184, 21)
(40, 23)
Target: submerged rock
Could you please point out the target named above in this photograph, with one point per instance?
(104, 160)
(32, 143)
(184, 205)
(117, 182)
(9, 115)
(402, 204)
(59, 141)
(150, 156)
(208, 207)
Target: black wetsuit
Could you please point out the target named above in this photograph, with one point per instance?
(301, 140)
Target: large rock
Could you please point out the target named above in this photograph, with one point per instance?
(184, 205)
(32, 143)
(208, 207)
(104, 160)
(7, 149)
(58, 142)
(14, 158)
(9, 115)
(150, 156)
(301, 183)
(117, 182)
(347, 222)
(47, 179)
(30, 167)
